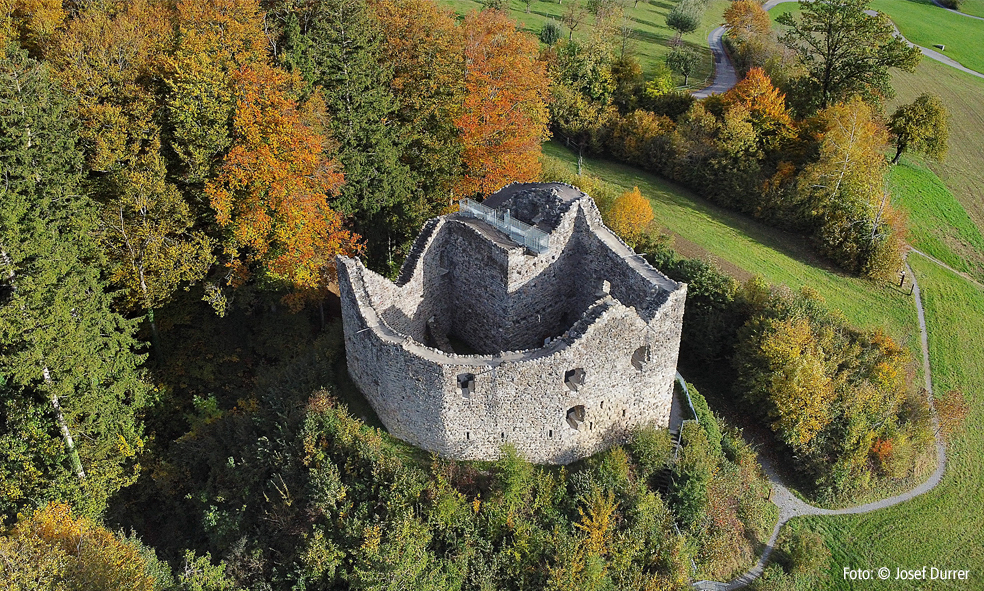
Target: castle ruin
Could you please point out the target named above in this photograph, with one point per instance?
(522, 320)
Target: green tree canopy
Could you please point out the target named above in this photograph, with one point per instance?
(70, 388)
(922, 125)
(342, 49)
(846, 51)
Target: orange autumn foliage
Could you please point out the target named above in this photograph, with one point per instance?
(271, 194)
(766, 106)
(504, 116)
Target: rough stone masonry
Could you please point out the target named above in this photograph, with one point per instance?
(483, 342)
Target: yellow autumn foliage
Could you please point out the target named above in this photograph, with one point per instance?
(54, 550)
(630, 216)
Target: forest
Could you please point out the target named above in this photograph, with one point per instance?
(180, 175)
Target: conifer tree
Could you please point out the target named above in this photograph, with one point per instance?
(69, 385)
(341, 47)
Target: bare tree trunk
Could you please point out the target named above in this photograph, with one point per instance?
(73, 454)
(155, 336)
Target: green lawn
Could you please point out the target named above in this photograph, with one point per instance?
(744, 246)
(963, 94)
(926, 24)
(938, 224)
(647, 21)
(974, 7)
(945, 527)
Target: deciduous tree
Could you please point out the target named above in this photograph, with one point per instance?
(271, 194)
(504, 115)
(422, 45)
(631, 216)
(846, 51)
(215, 38)
(766, 107)
(844, 187)
(683, 61)
(683, 18)
(923, 125)
(57, 550)
(745, 19)
(109, 60)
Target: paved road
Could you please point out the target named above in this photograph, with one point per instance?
(725, 76)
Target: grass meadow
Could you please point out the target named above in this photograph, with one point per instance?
(647, 20)
(974, 7)
(938, 224)
(926, 24)
(963, 169)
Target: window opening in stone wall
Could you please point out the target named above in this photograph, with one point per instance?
(641, 357)
(466, 381)
(575, 416)
(467, 435)
(550, 433)
(503, 436)
(623, 412)
(574, 378)
(590, 426)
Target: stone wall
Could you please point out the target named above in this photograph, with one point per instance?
(609, 315)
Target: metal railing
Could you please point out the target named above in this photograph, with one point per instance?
(525, 234)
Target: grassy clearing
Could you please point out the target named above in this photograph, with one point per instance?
(926, 24)
(650, 35)
(939, 225)
(743, 246)
(942, 528)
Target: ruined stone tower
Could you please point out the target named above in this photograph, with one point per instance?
(521, 320)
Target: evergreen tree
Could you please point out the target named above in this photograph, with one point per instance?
(341, 46)
(69, 385)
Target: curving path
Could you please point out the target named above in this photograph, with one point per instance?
(792, 506)
(955, 11)
(726, 77)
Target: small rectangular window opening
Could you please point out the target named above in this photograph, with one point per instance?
(574, 378)
(466, 382)
(550, 433)
(467, 435)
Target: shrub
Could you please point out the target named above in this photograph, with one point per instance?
(550, 32)
(651, 449)
(631, 216)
